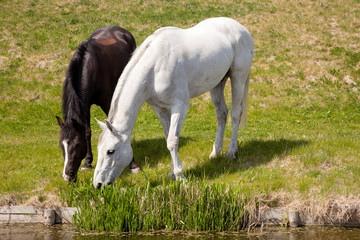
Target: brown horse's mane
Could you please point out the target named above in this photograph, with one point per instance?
(73, 106)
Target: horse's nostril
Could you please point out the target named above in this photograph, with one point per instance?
(108, 183)
(98, 186)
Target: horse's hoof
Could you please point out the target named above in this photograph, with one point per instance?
(172, 177)
(134, 167)
(213, 155)
(182, 179)
(86, 168)
(135, 170)
(230, 155)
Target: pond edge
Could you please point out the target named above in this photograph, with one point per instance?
(271, 216)
(32, 214)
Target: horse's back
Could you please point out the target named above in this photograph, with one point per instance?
(105, 35)
(202, 54)
(102, 58)
(214, 38)
(222, 24)
(228, 32)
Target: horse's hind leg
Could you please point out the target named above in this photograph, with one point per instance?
(217, 96)
(239, 88)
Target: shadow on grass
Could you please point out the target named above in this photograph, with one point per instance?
(251, 154)
(152, 151)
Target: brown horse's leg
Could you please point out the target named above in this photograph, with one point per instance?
(89, 156)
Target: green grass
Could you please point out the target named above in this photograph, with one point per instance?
(170, 206)
(303, 135)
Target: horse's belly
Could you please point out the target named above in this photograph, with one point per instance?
(201, 86)
(208, 74)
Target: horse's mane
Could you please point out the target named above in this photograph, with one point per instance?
(72, 106)
(137, 54)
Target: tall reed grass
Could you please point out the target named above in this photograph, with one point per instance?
(192, 206)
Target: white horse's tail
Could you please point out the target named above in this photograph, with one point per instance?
(243, 116)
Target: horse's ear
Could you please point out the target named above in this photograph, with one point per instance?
(60, 121)
(101, 124)
(109, 126)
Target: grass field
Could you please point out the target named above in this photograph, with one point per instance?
(302, 140)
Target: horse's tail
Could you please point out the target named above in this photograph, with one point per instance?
(243, 117)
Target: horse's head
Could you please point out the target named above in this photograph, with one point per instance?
(114, 155)
(72, 142)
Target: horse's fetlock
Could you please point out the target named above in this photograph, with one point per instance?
(179, 173)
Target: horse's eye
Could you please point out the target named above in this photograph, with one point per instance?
(109, 152)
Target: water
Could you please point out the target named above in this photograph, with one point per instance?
(65, 232)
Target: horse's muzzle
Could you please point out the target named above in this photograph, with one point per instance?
(99, 185)
(68, 178)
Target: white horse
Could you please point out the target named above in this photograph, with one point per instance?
(170, 67)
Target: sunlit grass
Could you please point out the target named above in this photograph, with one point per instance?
(303, 134)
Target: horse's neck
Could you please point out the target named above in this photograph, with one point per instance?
(127, 103)
(74, 108)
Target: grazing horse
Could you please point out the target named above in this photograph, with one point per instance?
(170, 67)
(90, 79)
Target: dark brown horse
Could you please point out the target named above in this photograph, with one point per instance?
(90, 79)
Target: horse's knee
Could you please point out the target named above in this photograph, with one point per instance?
(236, 113)
(172, 143)
(225, 112)
(222, 116)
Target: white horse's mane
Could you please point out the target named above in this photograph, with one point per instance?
(138, 53)
(136, 56)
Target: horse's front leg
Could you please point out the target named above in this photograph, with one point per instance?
(89, 157)
(178, 114)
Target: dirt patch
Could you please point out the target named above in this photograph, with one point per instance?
(49, 200)
(44, 200)
(339, 211)
(9, 200)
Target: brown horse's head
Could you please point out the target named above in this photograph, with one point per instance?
(72, 142)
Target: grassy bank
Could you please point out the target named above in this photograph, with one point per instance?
(302, 141)
(170, 206)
